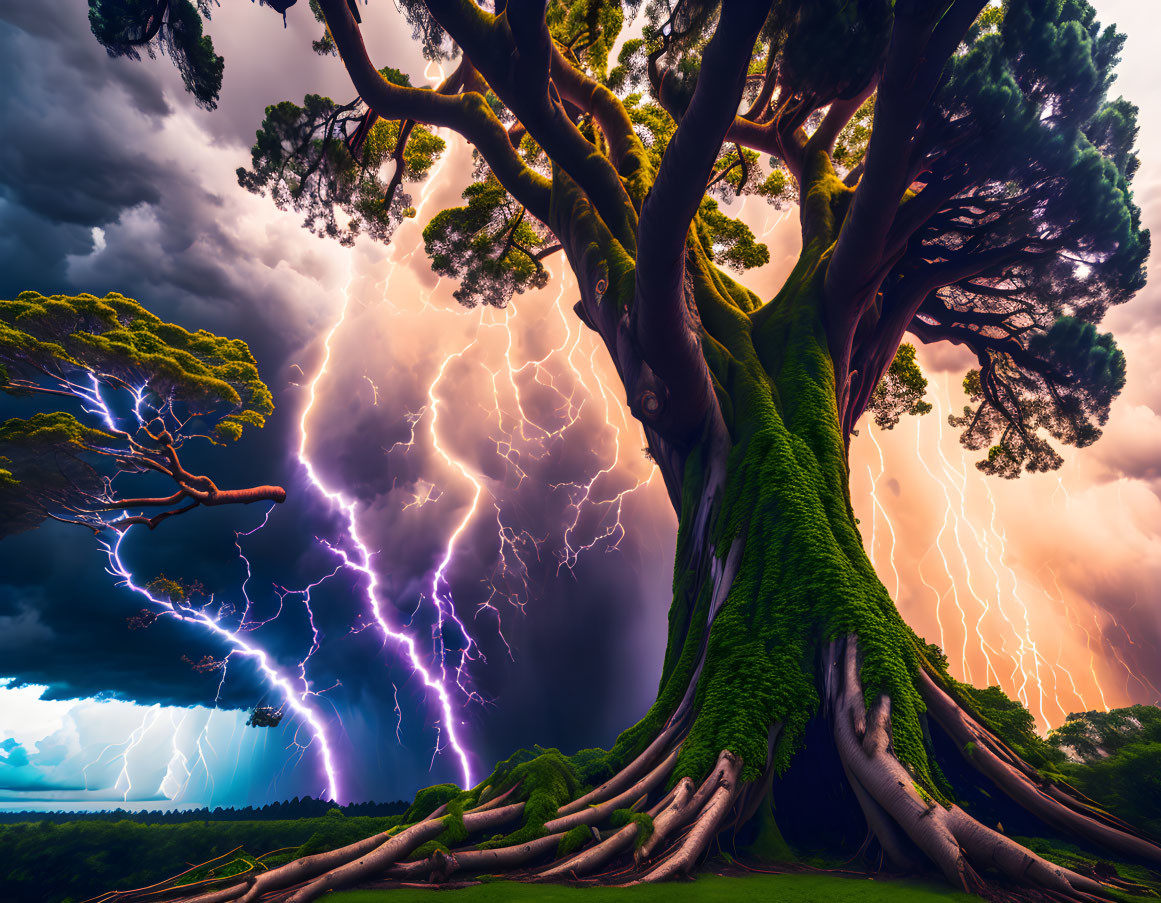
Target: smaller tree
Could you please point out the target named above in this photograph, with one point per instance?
(129, 390)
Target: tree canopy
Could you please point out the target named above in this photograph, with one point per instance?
(964, 162)
(127, 391)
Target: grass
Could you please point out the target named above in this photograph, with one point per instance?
(792, 888)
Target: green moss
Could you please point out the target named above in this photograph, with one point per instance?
(643, 821)
(429, 799)
(546, 780)
(573, 840)
(768, 844)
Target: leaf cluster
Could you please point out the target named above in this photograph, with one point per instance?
(173, 27)
(305, 158)
(490, 245)
(900, 391)
(1037, 160)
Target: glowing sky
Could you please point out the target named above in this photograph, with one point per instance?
(502, 429)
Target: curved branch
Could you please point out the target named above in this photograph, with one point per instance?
(625, 147)
(512, 51)
(469, 114)
(836, 118)
(662, 319)
(922, 39)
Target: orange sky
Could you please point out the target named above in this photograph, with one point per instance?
(1046, 585)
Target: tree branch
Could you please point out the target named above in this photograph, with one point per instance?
(625, 147)
(921, 42)
(512, 51)
(835, 120)
(468, 114)
(662, 320)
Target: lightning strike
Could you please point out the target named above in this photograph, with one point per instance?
(240, 646)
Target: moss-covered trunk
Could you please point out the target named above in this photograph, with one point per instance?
(770, 564)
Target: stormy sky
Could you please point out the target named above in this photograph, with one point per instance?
(499, 432)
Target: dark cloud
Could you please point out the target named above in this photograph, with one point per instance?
(112, 180)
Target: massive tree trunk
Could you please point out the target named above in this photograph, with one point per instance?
(794, 703)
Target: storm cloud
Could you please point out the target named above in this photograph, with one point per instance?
(112, 180)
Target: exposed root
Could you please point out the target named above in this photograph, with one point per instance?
(375, 862)
(440, 866)
(672, 817)
(894, 845)
(602, 811)
(631, 772)
(949, 837)
(677, 816)
(691, 849)
(912, 828)
(588, 861)
(1024, 786)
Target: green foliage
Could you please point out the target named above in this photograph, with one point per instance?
(118, 341)
(126, 27)
(61, 347)
(1048, 157)
(653, 125)
(586, 30)
(778, 188)
(573, 840)
(730, 240)
(45, 467)
(900, 391)
(1094, 736)
(830, 48)
(40, 862)
(1009, 720)
(490, 245)
(1083, 372)
(324, 46)
(851, 145)
(1114, 758)
(302, 158)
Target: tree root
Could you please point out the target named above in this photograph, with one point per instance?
(725, 790)
(1024, 786)
(588, 861)
(912, 828)
(954, 841)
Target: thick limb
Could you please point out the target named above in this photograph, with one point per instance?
(469, 115)
(662, 319)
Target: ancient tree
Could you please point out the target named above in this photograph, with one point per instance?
(960, 174)
(113, 395)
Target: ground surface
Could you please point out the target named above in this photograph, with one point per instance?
(796, 888)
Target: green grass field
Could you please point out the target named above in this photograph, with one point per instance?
(758, 888)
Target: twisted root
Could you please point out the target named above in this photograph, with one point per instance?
(950, 838)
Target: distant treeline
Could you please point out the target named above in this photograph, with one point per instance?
(43, 862)
(304, 807)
